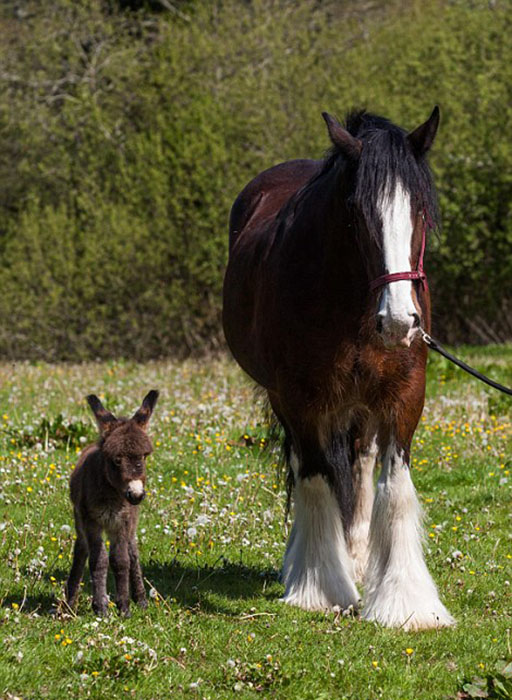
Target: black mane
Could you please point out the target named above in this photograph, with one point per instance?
(386, 159)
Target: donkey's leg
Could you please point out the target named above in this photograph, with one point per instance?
(80, 553)
(136, 578)
(317, 569)
(120, 563)
(362, 473)
(98, 565)
(399, 589)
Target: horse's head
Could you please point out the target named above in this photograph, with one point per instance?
(391, 194)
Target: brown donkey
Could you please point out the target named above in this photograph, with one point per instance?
(106, 487)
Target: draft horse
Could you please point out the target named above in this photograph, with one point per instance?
(324, 295)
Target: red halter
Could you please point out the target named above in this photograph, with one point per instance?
(418, 273)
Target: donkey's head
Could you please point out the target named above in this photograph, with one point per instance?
(125, 444)
(391, 196)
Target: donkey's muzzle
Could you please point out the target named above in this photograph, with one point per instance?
(135, 499)
(135, 492)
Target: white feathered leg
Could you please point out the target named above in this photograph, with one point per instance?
(363, 487)
(399, 589)
(317, 569)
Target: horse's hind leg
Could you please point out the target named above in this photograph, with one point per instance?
(362, 474)
(317, 568)
(399, 590)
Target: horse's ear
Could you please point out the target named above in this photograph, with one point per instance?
(341, 138)
(104, 418)
(422, 138)
(145, 411)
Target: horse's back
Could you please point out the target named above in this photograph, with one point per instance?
(265, 195)
(252, 230)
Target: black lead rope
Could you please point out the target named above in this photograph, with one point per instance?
(434, 345)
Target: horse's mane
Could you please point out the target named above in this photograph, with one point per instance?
(386, 159)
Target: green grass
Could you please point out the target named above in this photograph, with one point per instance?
(212, 537)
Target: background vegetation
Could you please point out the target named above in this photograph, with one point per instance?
(127, 129)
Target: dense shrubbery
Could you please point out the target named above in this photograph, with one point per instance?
(125, 136)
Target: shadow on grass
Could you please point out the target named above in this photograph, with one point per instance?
(211, 588)
(225, 581)
(43, 604)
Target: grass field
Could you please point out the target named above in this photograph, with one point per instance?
(212, 535)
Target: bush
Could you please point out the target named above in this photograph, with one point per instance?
(125, 136)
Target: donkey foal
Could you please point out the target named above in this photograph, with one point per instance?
(106, 487)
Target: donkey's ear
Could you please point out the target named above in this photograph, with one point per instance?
(144, 413)
(104, 418)
(340, 137)
(422, 138)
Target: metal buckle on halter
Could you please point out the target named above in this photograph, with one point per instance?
(425, 336)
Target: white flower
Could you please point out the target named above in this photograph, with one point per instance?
(191, 532)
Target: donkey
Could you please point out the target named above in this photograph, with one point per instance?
(106, 488)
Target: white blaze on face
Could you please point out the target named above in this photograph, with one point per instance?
(136, 488)
(396, 310)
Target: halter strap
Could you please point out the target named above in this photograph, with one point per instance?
(418, 273)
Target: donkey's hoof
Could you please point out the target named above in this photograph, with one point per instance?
(100, 610)
(124, 610)
(142, 603)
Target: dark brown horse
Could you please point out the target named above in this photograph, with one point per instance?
(341, 359)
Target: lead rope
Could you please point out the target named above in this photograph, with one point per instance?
(434, 345)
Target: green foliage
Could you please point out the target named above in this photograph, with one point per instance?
(57, 431)
(125, 136)
(497, 686)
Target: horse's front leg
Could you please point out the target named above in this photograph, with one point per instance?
(362, 475)
(399, 590)
(317, 568)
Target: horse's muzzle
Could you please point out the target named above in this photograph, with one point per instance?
(398, 332)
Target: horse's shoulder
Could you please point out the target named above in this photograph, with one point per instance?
(267, 192)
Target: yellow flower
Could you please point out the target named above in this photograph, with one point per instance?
(409, 651)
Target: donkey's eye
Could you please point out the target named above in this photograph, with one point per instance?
(118, 461)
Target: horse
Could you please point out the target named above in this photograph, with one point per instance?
(106, 488)
(323, 301)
